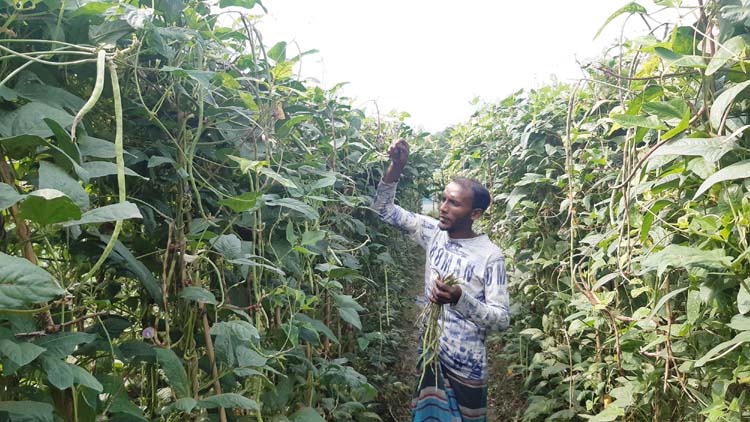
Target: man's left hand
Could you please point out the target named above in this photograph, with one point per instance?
(443, 293)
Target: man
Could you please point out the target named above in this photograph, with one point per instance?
(479, 303)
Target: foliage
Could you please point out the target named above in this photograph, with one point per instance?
(623, 202)
(184, 226)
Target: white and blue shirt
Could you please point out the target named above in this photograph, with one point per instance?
(478, 264)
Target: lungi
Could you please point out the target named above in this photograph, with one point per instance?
(446, 397)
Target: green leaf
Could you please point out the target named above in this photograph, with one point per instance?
(125, 259)
(351, 316)
(277, 53)
(679, 60)
(185, 404)
(49, 206)
(730, 49)
(95, 147)
(295, 205)
(611, 413)
(723, 101)
(53, 177)
(63, 344)
(155, 161)
(228, 400)
(28, 411)
(63, 141)
(346, 301)
(29, 120)
(22, 146)
(247, 357)
(9, 196)
(648, 217)
(108, 213)
(174, 371)
(740, 338)
(630, 121)
(665, 299)
(740, 323)
(23, 284)
(735, 171)
(693, 306)
(84, 378)
(711, 149)
(243, 202)
(105, 168)
(228, 245)
(629, 8)
(743, 297)
(277, 177)
(672, 109)
(59, 372)
(17, 354)
(198, 294)
(677, 256)
(236, 329)
(313, 237)
(307, 414)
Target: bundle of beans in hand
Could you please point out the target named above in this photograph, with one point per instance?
(432, 316)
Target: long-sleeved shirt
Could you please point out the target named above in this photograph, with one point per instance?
(478, 264)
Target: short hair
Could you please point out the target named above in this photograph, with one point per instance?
(480, 195)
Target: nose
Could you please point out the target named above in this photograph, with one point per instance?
(443, 206)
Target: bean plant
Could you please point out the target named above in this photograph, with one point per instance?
(185, 232)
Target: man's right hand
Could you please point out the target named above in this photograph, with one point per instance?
(398, 152)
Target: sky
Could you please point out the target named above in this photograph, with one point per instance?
(430, 58)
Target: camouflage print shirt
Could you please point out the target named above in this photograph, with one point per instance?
(478, 264)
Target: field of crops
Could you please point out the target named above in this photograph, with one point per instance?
(185, 231)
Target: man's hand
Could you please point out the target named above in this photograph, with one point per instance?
(398, 152)
(443, 293)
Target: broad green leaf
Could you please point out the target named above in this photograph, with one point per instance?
(236, 329)
(740, 323)
(711, 149)
(648, 217)
(125, 259)
(198, 294)
(676, 256)
(307, 414)
(28, 411)
(740, 338)
(17, 354)
(295, 205)
(723, 101)
(174, 371)
(611, 413)
(228, 245)
(22, 146)
(30, 87)
(107, 213)
(29, 120)
(351, 316)
(679, 60)
(735, 171)
(23, 284)
(155, 161)
(693, 306)
(247, 357)
(665, 299)
(9, 196)
(53, 177)
(669, 110)
(59, 372)
(277, 53)
(243, 202)
(61, 345)
(277, 177)
(313, 237)
(738, 12)
(630, 121)
(248, 165)
(347, 301)
(84, 378)
(95, 147)
(105, 168)
(228, 400)
(185, 404)
(317, 326)
(629, 8)
(63, 141)
(730, 49)
(49, 206)
(743, 297)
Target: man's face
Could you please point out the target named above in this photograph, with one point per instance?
(456, 211)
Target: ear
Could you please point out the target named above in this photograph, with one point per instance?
(476, 214)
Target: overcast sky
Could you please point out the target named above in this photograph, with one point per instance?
(431, 57)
